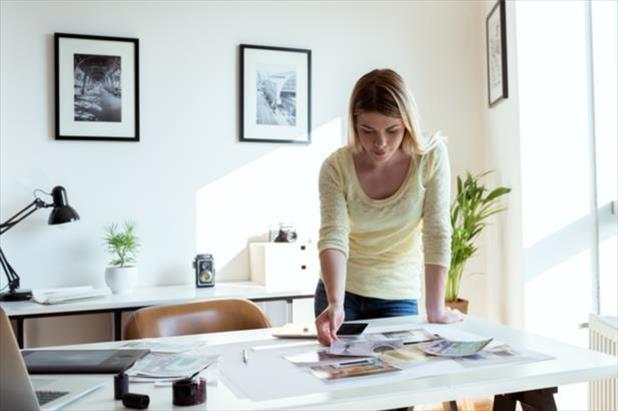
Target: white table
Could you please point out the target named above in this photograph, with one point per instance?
(146, 297)
(535, 380)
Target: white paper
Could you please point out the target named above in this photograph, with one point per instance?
(60, 295)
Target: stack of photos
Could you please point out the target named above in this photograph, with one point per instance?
(387, 352)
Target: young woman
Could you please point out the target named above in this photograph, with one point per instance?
(384, 203)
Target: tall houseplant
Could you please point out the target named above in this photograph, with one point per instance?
(123, 245)
(471, 208)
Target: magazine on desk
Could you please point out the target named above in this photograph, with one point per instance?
(169, 367)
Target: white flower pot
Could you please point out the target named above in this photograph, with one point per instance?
(121, 280)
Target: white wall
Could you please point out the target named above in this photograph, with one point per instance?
(503, 239)
(189, 163)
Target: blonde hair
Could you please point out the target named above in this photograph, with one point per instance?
(384, 91)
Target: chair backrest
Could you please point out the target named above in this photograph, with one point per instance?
(195, 318)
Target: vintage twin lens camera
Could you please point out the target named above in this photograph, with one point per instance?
(204, 266)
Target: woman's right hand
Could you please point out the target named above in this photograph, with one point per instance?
(328, 322)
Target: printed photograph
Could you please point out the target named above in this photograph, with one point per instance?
(97, 88)
(414, 336)
(352, 369)
(405, 357)
(276, 95)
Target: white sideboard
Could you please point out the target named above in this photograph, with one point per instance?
(281, 266)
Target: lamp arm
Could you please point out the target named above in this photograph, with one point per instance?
(11, 275)
(29, 209)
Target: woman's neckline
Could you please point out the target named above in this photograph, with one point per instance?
(391, 197)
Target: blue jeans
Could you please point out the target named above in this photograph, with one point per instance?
(357, 307)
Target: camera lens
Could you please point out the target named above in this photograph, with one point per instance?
(206, 276)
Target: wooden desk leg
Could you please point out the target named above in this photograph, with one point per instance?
(504, 403)
(450, 406)
(536, 400)
(117, 325)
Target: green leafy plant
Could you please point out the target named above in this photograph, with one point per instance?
(122, 244)
(471, 208)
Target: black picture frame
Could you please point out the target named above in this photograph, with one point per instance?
(497, 68)
(96, 88)
(266, 114)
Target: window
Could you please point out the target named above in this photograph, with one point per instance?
(604, 46)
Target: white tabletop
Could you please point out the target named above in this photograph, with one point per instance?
(569, 365)
(142, 297)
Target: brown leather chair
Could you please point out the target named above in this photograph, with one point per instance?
(195, 318)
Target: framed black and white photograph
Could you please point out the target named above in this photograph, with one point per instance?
(97, 87)
(275, 94)
(497, 76)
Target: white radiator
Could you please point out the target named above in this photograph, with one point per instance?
(602, 395)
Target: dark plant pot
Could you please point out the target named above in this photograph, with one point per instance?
(459, 304)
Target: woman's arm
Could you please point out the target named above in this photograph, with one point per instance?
(435, 284)
(333, 246)
(333, 266)
(437, 235)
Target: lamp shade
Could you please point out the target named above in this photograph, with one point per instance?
(62, 212)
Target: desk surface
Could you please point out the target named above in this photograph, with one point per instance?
(142, 297)
(570, 365)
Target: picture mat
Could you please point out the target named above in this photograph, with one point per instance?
(67, 47)
(298, 60)
(495, 59)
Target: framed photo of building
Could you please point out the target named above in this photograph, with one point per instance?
(497, 76)
(275, 94)
(97, 87)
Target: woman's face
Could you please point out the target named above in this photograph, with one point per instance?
(379, 135)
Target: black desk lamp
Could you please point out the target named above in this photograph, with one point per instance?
(61, 213)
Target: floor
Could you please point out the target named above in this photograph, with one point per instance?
(470, 404)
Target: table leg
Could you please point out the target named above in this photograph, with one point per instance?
(20, 332)
(290, 313)
(117, 325)
(535, 400)
(450, 406)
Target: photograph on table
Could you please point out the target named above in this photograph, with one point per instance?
(358, 368)
(275, 94)
(97, 87)
(414, 336)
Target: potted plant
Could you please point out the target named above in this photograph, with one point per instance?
(471, 208)
(121, 275)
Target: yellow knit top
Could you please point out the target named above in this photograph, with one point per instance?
(387, 241)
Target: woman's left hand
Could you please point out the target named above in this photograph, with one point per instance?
(446, 316)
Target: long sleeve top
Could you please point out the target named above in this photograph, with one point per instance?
(387, 241)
